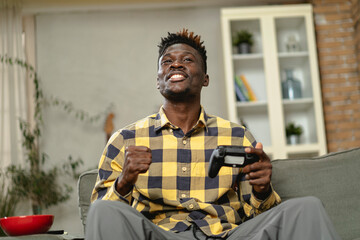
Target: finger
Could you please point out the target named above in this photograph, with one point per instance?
(140, 168)
(266, 174)
(259, 145)
(137, 149)
(260, 182)
(257, 166)
(137, 158)
(258, 150)
(133, 169)
(246, 169)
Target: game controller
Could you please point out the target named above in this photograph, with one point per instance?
(231, 156)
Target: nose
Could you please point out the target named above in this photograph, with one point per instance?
(177, 64)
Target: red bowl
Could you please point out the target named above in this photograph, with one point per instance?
(26, 225)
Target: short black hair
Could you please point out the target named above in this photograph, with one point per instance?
(186, 37)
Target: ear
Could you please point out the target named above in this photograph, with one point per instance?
(206, 81)
(157, 83)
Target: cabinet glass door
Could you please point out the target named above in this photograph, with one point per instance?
(248, 68)
(296, 82)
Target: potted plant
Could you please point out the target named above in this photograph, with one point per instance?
(8, 199)
(33, 180)
(243, 40)
(293, 133)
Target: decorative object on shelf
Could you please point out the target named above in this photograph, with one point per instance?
(291, 87)
(292, 45)
(293, 133)
(243, 40)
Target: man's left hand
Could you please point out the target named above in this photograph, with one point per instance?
(259, 173)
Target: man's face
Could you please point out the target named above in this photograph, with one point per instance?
(181, 73)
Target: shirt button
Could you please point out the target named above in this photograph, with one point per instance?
(183, 195)
(171, 130)
(184, 142)
(184, 169)
(191, 206)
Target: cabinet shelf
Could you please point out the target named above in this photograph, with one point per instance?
(252, 106)
(293, 54)
(298, 104)
(283, 40)
(301, 148)
(248, 56)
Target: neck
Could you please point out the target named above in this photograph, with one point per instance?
(183, 115)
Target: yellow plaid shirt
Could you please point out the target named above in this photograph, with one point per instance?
(176, 191)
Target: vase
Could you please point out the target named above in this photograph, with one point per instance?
(244, 48)
(291, 87)
(293, 139)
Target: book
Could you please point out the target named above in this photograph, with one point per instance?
(242, 88)
(252, 96)
(239, 95)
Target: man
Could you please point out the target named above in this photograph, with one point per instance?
(155, 170)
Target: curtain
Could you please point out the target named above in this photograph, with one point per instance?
(12, 83)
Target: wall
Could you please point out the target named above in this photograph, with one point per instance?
(338, 42)
(96, 58)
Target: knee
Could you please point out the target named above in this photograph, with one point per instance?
(100, 205)
(308, 202)
(100, 208)
(109, 208)
(311, 201)
(97, 207)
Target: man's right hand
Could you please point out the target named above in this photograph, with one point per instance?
(137, 160)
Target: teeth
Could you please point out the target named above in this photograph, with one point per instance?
(176, 77)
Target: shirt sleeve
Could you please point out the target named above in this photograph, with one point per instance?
(110, 167)
(257, 206)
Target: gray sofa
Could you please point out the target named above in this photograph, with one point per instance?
(333, 178)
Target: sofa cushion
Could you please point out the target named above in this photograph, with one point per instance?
(333, 178)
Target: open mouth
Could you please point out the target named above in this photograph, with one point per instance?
(177, 77)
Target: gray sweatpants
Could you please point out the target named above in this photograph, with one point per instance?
(300, 218)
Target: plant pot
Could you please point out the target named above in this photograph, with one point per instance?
(293, 139)
(244, 48)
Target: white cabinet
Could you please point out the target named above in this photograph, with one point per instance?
(273, 27)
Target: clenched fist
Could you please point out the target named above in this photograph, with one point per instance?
(137, 160)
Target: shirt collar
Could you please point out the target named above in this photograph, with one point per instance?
(162, 121)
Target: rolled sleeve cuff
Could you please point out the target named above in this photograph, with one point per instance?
(113, 195)
(262, 205)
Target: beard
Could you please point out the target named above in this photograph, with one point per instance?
(182, 96)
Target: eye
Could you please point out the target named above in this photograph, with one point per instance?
(166, 61)
(188, 59)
